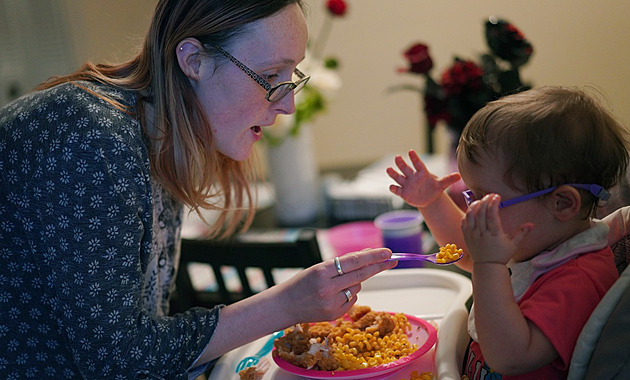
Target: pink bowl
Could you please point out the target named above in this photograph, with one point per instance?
(354, 236)
(422, 334)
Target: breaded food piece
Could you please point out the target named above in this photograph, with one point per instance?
(298, 348)
(365, 321)
(320, 330)
(251, 373)
(295, 340)
(356, 312)
(316, 357)
(382, 322)
(328, 362)
(385, 323)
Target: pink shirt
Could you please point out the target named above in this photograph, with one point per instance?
(559, 303)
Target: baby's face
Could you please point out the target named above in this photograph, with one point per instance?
(487, 176)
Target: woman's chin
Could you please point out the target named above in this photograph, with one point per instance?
(242, 153)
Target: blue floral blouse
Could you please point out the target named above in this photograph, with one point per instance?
(89, 245)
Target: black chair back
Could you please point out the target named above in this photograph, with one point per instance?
(266, 251)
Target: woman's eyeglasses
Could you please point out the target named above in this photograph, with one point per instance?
(596, 190)
(274, 93)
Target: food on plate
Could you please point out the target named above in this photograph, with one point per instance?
(361, 339)
(449, 253)
(251, 373)
(256, 372)
(421, 376)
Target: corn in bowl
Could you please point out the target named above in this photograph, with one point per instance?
(361, 339)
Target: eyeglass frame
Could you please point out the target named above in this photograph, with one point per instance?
(293, 86)
(597, 190)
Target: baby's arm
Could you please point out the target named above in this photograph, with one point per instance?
(510, 343)
(422, 189)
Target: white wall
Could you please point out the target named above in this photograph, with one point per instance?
(577, 42)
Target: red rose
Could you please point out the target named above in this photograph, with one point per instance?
(337, 7)
(508, 42)
(462, 77)
(420, 61)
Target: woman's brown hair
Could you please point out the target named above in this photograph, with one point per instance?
(183, 158)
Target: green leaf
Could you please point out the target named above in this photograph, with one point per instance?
(406, 87)
(312, 102)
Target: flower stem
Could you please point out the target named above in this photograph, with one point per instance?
(322, 37)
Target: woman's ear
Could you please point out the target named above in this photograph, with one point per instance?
(189, 52)
(567, 202)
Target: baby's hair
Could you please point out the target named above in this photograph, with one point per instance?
(549, 136)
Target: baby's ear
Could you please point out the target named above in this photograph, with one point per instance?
(567, 202)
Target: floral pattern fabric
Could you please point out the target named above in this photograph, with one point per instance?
(88, 245)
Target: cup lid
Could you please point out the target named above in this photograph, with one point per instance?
(398, 220)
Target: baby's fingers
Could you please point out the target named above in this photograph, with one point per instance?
(393, 174)
(403, 166)
(469, 222)
(416, 161)
(480, 218)
(448, 180)
(492, 212)
(481, 211)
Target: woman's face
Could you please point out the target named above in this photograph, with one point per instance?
(234, 103)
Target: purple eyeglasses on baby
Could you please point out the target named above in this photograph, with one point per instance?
(596, 190)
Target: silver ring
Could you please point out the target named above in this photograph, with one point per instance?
(348, 294)
(338, 266)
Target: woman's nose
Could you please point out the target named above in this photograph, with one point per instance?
(286, 105)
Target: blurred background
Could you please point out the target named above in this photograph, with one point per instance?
(576, 43)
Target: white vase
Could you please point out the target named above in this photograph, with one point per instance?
(294, 175)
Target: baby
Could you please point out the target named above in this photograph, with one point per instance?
(537, 165)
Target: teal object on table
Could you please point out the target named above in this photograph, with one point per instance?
(253, 360)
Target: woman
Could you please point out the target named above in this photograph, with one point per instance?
(96, 167)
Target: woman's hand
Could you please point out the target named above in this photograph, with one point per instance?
(318, 293)
(416, 185)
(315, 294)
(484, 235)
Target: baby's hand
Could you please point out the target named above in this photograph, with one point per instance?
(485, 239)
(416, 185)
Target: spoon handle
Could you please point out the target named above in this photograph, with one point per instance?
(413, 256)
(432, 258)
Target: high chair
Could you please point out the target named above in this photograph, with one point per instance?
(603, 347)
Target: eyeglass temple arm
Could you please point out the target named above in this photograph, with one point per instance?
(300, 74)
(596, 190)
(527, 197)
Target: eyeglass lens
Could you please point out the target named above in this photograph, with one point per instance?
(281, 90)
